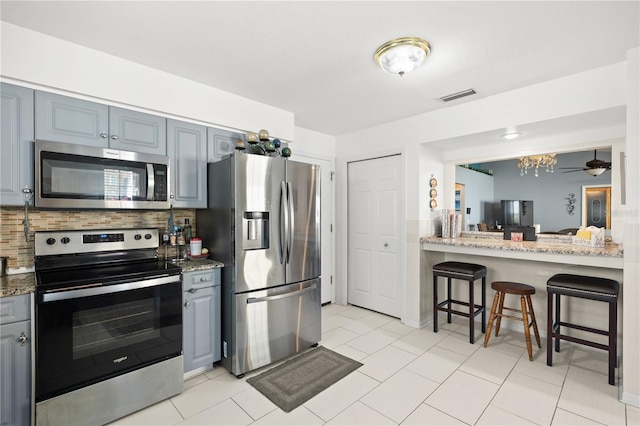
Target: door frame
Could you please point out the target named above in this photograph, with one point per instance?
(331, 220)
(342, 219)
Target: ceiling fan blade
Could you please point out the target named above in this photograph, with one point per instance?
(576, 170)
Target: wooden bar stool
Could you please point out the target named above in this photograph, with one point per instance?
(469, 272)
(592, 288)
(524, 291)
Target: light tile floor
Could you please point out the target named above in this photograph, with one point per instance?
(415, 377)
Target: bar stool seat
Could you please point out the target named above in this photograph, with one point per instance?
(585, 287)
(469, 272)
(524, 291)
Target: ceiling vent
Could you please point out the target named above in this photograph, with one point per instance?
(458, 95)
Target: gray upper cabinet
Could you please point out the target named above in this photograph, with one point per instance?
(16, 163)
(221, 142)
(186, 146)
(64, 119)
(137, 131)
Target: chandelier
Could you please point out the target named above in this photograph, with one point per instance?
(535, 161)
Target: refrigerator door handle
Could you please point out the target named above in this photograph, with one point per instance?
(281, 296)
(290, 224)
(284, 220)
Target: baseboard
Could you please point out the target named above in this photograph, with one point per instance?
(630, 398)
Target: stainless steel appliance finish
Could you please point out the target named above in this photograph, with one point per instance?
(108, 325)
(79, 176)
(263, 222)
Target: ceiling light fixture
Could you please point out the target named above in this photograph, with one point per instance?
(402, 55)
(535, 161)
(511, 135)
(596, 172)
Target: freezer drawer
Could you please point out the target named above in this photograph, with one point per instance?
(273, 324)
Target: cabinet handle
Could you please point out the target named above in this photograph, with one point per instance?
(192, 290)
(203, 279)
(103, 135)
(23, 339)
(187, 304)
(114, 137)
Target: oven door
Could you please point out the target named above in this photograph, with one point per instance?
(87, 335)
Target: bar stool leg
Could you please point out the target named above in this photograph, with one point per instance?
(484, 304)
(613, 337)
(500, 307)
(558, 321)
(525, 320)
(435, 303)
(472, 308)
(449, 298)
(533, 320)
(492, 316)
(549, 329)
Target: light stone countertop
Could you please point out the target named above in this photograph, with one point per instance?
(552, 244)
(18, 284)
(548, 248)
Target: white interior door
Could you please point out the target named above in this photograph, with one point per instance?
(374, 234)
(327, 293)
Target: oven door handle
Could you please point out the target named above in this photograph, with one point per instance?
(54, 295)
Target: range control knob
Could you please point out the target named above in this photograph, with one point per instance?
(137, 237)
(65, 240)
(51, 241)
(147, 236)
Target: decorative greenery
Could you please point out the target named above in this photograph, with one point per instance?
(476, 168)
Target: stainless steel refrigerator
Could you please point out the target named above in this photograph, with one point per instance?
(263, 222)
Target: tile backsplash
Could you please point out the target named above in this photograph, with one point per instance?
(20, 252)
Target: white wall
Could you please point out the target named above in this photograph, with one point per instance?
(478, 192)
(33, 59)
(313, 144)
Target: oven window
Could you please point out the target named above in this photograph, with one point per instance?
(107, 328)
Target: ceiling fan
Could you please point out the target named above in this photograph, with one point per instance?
(594, 167)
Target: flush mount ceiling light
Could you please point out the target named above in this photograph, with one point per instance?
(511, 135)
(402, 55)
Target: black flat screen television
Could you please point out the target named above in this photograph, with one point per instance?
(517, 212)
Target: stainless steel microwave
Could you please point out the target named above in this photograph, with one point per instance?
(78, 176)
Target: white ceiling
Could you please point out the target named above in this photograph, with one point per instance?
(315, 58)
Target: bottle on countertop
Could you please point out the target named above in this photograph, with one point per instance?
(187, 230)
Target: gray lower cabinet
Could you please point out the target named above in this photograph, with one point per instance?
(15, 368)
(16, 162)
(65, 119)
(186, 146)
(201, 319)
(221, 142)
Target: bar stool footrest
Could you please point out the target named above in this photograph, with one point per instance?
(556, 326)
(478, 308)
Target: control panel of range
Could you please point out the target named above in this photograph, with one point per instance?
(88, 241)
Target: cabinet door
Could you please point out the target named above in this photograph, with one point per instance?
(187, 150)
(222, 142)
(201, 341)
(15, 374)
(16, 163)
(64, 119)
(137, 131)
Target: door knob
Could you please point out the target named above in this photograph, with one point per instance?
(22, 339)
(187, 304)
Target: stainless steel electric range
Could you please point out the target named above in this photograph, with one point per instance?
(108, 322)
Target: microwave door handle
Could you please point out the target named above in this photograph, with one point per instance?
(151, 182)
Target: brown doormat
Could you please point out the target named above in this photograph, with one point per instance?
(298, 380)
